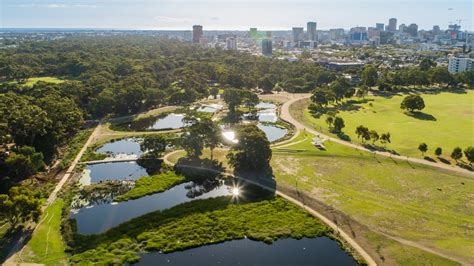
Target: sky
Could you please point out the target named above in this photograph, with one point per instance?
(231, 14)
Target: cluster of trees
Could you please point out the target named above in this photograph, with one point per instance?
(200, 133)
(423, 75)
(364, 134)
(335, 124)
(20, 205)
(456, 154)
(237, 97)
(335, 91)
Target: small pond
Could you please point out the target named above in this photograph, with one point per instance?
(171, 121)
(97, 218)
(267, 115)
(265, 105)
(95, 173)
(272, 132)
(128, 146)
(306, 251)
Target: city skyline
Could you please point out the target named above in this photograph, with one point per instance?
(227, 14)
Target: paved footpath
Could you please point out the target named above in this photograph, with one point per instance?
(286, 115)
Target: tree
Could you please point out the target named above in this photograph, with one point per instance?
(155, 145)
(423, 148)
(252, 152)
(320, 97)
(440, 75)
(469, 153)
(210, 133)
(233, 98)
(363, 133)
(369, 75)
(426, 64)
(412, 102)
(20, 205)
(214, 91)
(338, 124)
(362, 91)
(456, 154)
(438, 151)
(330, 121)
(374, 136)
(250, 99)
(385, 138)
(266, 84)
(192, 143)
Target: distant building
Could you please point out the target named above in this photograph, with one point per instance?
(269, 34)
(336, 34)
(267, 47)
(412, 29)
(436, 30)
(358, 35)
(311, 28)
(298, 34)
(392, 24)
(231, 43)
(253, 33)
(460, 64)
(197, 33)
(402, 28)
(379, 26)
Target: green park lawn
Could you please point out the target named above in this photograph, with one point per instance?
(46, 246)
(448, 122)
(410, 201)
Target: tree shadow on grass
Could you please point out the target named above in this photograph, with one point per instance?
(465, 166)
(421, 116)
(444, 160)
(429, 159)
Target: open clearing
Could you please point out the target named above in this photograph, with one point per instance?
(447, 122)
(409, 201)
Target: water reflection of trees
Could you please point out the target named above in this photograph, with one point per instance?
(199, 187)
(98, 194)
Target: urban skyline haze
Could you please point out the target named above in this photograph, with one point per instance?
(230, 14)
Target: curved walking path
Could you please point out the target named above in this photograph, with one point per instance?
(352, 243)
(286, 116)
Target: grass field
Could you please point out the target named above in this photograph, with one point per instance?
(410, 201)
(32, 81)
(46, 245)
(448, 122)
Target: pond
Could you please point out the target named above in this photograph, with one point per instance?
(128, 146)
(265, 105)
(267, 115)
(171, 121)
(97, 218)
(306, 251)
(272, 132)
(95, 173)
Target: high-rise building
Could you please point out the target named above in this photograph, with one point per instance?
(269, 34)
(311, 28)
(336, 34)
(231, 43)
(197, 33)
(436, 29)
(267, 47)
(253, 33)
(379, 26)
(402, 28)
(460, 64)
(298, 34)
(358, 34)
(412, 29)
(392, 24)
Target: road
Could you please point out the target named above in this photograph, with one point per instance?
(286, 115)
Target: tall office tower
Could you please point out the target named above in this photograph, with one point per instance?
(253, 33)
(298, 34)
(379, 26)
(269, 34)
(392, 24)
(197, 33)
(436, 30)
(412, 29)
(311, 28)
(231, 43)
(402, 28)
(267, 47)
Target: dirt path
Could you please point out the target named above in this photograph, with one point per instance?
(17, 248)
(286, 115)
(320, 216)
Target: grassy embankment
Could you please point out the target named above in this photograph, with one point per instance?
(414, 202)
(148, 185)
(446, 122)
(74, 146)
(46, 245)
(198, 223)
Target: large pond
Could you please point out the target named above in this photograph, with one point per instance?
(128, 146)
(95, 173)
(272, 132)
(306, 251)
(98, 217)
